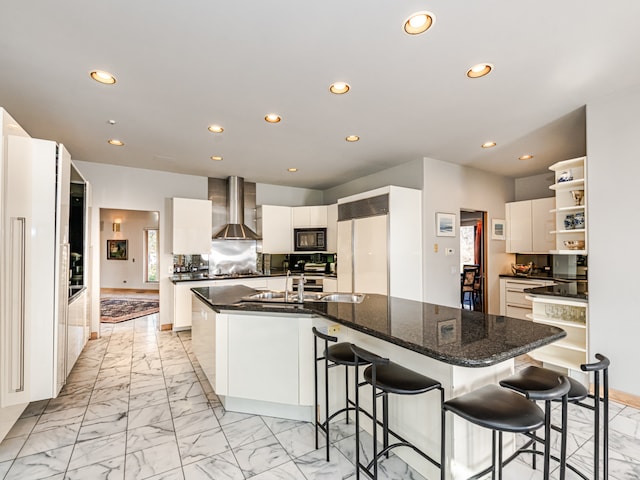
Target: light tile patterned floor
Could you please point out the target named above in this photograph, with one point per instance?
(137, 405)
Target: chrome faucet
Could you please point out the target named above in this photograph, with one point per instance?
(286, 286)
(301, 282)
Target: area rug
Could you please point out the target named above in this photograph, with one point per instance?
(114, 310)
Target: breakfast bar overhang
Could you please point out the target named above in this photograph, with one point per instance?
(258, 357)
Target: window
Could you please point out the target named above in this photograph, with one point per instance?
(151, 255)
(467, 248)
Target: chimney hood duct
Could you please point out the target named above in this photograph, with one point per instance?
(235, 229)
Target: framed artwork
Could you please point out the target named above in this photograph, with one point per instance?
(447, 331)
(497, 229)
(117, 249)
(445, 225)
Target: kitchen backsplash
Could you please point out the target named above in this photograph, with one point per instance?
(563, 265)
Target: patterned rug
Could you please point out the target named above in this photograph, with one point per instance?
(114, 310)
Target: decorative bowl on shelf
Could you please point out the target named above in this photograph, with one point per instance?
(521, 268)
(574, 244)
(565, 176)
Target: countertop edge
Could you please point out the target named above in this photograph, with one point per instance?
(307, 309)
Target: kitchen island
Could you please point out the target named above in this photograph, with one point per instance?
(259, 359)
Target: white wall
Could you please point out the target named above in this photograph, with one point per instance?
(267, 194)
(119, 187)
(127, 273)
(613, 171)
(535, 186)
(448, 188)
(406, 175)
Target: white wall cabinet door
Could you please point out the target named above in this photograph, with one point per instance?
(268, 373)
(192, 224)
(274, 226)
(309, 216)
(518, 227)
(542, 224)
(370, 255)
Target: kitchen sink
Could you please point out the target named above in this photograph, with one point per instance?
(343, 297)
(276, 296)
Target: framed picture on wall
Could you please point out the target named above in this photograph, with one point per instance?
(117, 249)
(497, 229)
(445, 225)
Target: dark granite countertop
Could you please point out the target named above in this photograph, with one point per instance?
(574, 291)
(556, 277)
(451, 335)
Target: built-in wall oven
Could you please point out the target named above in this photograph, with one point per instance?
(310, 239)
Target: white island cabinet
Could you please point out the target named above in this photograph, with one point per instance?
(256, 362)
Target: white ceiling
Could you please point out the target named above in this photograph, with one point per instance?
(186, 64)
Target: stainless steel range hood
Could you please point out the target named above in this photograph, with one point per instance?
(235, 229)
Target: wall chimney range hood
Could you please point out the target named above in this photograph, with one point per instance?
(235, 229)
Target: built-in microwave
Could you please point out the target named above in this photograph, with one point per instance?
(310, 239)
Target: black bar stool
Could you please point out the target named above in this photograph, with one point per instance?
(334, 355)
(536, 378)
(387, 377)
(506, 411)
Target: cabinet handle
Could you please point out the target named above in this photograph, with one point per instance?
(17, 280)
(518, 306)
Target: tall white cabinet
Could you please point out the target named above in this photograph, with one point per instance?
(15, 274)
(380, 246)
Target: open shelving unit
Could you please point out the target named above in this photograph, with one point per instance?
(565, 204)
(570, 315)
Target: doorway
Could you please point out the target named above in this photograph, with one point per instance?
(473, 260)
(129, 268)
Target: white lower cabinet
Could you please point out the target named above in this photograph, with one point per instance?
(270, 372)
(513, 301)
(256, 362)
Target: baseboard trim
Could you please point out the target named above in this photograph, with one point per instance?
(166, 326)
(624, 398)
(128, 290)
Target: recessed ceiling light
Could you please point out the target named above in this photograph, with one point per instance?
(339, 88)
(292, 170)
(215, 128)
(525, 157)
(217, 158)
(352, 138)
(488, 144)
(103, 77)
(111, 122)
(116, 142)
(419, 23)
(273, 118)
(479, 70)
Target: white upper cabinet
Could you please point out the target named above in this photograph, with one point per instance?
(192, 225)
(530, 226)
(274, 226)
(311, 216)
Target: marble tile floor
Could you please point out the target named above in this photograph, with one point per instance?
(138, 406)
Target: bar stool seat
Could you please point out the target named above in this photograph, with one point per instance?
(536, 378)
(498, 409)
(342, 354)
(394, 378)
(502, 410)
